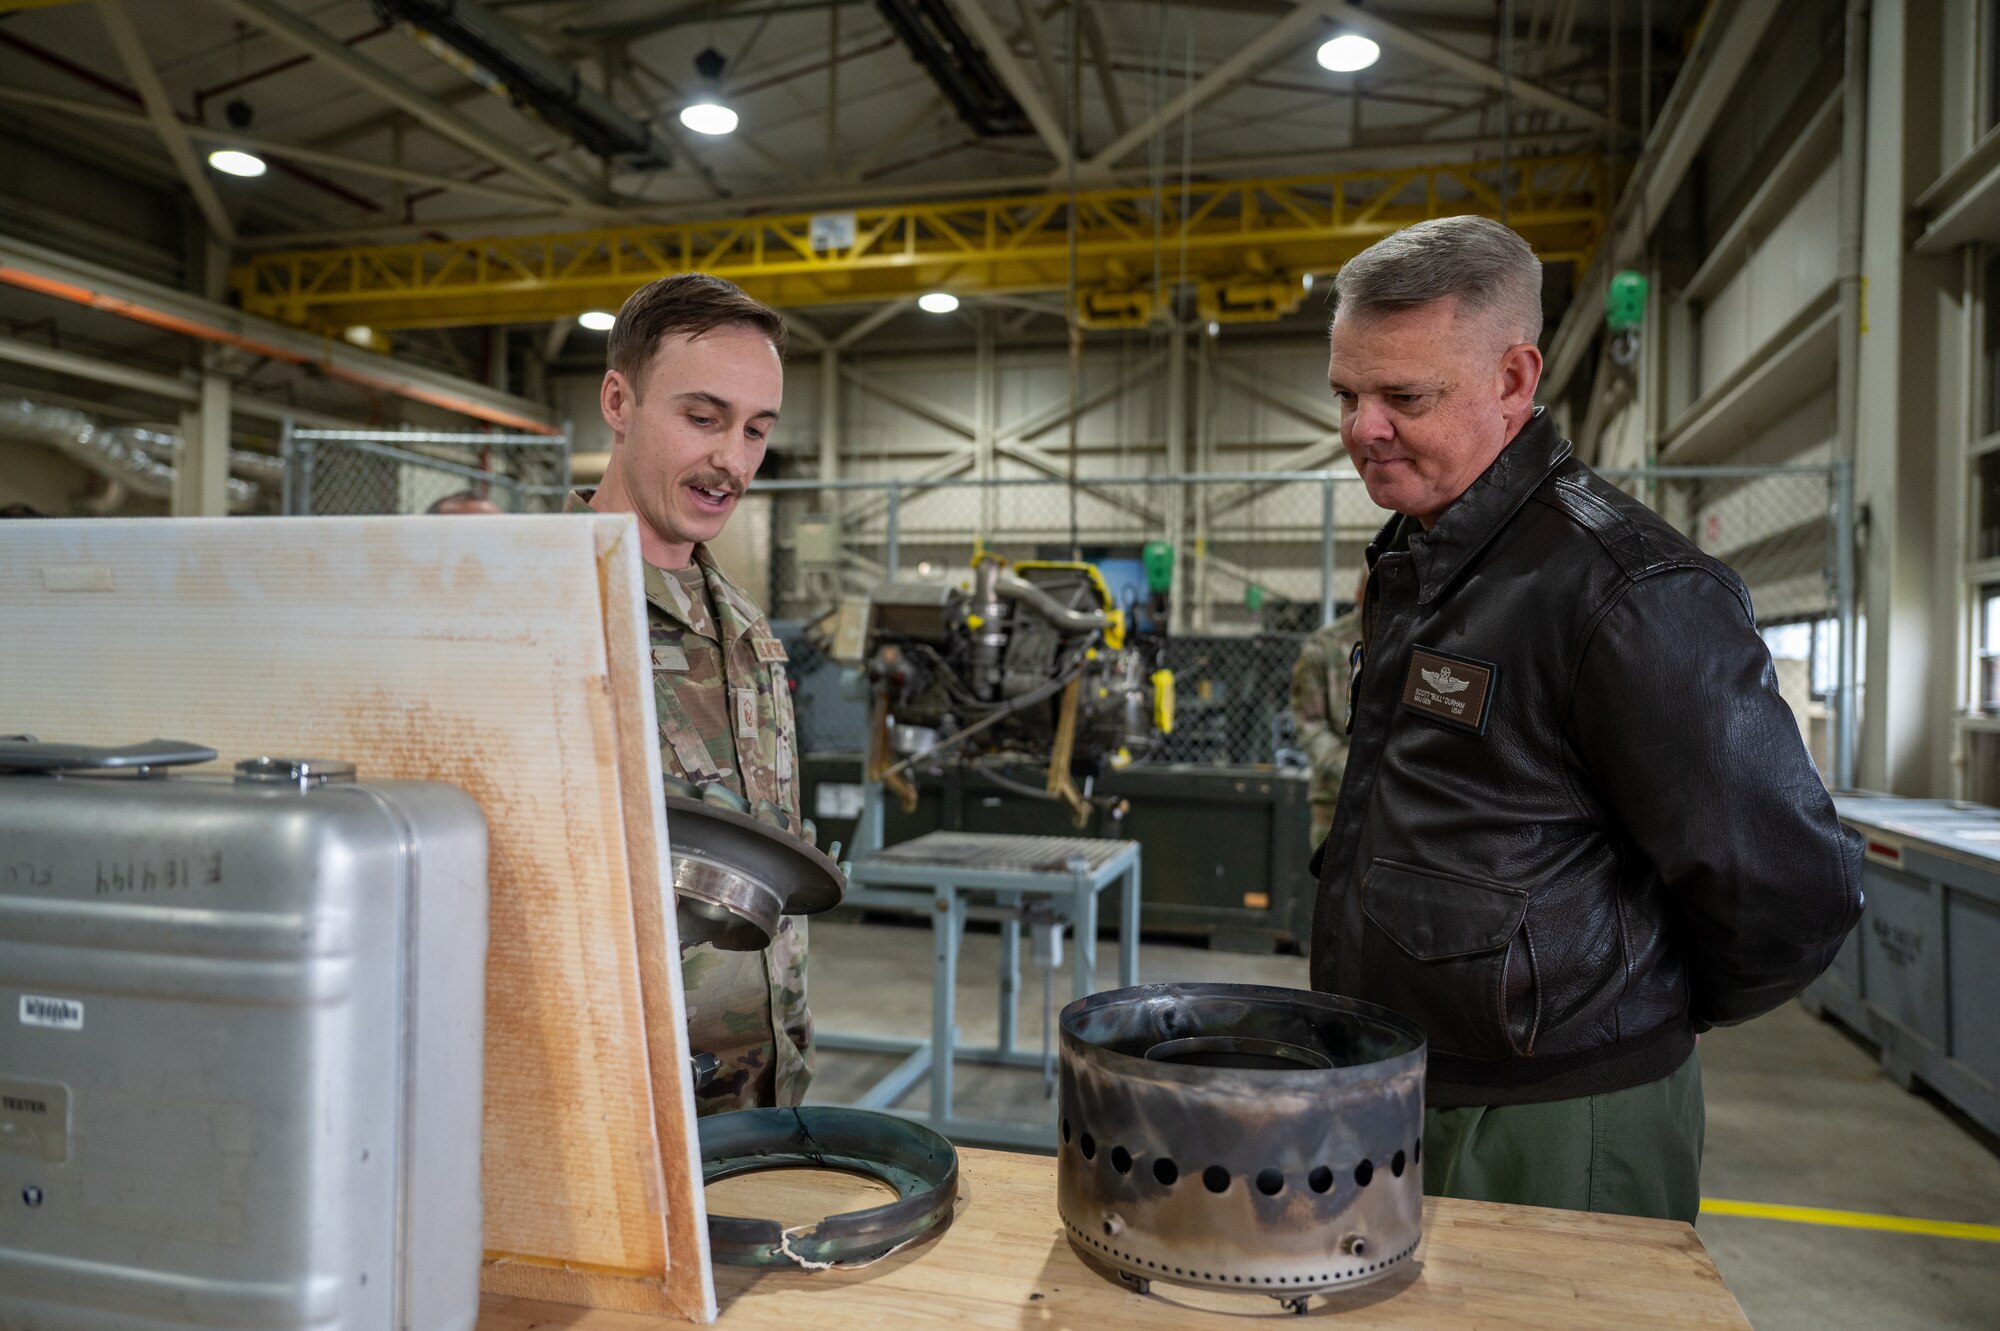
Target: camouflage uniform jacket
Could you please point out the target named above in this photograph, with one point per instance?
(725, 715)
(1319, 709)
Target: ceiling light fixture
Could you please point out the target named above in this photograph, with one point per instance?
(361, 335)
(597, 321)
(233, 162)
(709, 118)
(937, 302)
(709, 115)
(1349, 52)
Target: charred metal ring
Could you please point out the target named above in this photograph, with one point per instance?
(1239, 1136)
(919, 1164)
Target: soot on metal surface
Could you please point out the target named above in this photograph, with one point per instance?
(1241, 1137)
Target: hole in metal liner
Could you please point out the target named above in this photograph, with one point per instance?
(1320, 1179)
(1166, 1171)
(1089, 1147)
(1270, 1182)
(1121, 1160)
(1238, 1051)
(1215, 1178)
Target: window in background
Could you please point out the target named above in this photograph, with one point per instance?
(1816, 643)
(1986, 518)
(1992, 66)
(1989, 349)
(1989, 647)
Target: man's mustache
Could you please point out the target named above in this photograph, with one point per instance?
(718, 480)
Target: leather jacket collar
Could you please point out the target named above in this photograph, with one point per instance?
(1475, 517)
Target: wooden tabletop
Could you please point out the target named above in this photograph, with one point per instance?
(1004, 1263)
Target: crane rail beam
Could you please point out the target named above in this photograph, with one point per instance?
(1263, 230)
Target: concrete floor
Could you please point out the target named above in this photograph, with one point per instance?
(1798, 1114)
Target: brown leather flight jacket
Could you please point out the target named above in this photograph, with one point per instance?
(1578, 824)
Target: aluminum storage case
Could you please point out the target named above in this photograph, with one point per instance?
(241, 1025)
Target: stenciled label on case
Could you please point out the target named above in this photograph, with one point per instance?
(62, 1014)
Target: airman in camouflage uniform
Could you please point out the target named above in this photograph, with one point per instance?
(1319, 709)
(693, 383)
(725, 713)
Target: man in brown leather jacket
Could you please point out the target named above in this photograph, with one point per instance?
(1578, 824)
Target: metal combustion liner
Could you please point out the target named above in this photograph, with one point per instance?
(1241, 1137)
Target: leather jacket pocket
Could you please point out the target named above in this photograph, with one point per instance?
(1452, 954)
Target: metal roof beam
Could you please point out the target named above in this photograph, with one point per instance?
(160, 112)
(1232, 69)
(406, 96)
(1446, 56)
(205, 134)
(1001, 52)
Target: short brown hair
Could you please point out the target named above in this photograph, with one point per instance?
(686, 304)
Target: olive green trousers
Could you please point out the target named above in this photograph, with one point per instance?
(1631, 1152)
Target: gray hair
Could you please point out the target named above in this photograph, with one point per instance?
(1487, 266)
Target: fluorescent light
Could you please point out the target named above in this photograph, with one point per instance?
(1214, 328)
(1307, 281)
(937, 302)
(1349, 52)
(361, 335)
(231, 162)
(709, 118)
(597, 321)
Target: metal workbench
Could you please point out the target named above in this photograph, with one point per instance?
(955, 876)
(1917, 977)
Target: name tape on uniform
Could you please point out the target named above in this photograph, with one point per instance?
(1454, 689)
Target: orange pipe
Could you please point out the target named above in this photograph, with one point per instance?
(174, 323)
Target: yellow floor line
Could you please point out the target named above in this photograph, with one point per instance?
(1817, 1215)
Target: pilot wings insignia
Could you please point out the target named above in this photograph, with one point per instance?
(1444, 681)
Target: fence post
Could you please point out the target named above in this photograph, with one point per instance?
(305, 495)
(1326, 549)
(892, 557)
(285, 496)
(1843, 574)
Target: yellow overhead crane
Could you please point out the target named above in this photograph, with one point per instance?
(1246, 246)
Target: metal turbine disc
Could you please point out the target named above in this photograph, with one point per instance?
(735, 875)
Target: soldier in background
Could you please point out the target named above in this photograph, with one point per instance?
(693, 389)
(1319, 709)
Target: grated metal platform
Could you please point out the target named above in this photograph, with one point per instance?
(1004, 853)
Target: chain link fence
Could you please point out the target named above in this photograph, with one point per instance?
(408, 471)
(1263, 559)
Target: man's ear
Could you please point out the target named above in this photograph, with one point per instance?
(1520, 375)
(614, 399)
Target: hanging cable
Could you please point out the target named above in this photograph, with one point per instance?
(1506, 105)
(1072, 94)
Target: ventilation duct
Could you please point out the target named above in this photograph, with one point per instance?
(497, 56)
(140, 459)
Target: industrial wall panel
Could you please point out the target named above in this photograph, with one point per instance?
(1793, 265)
